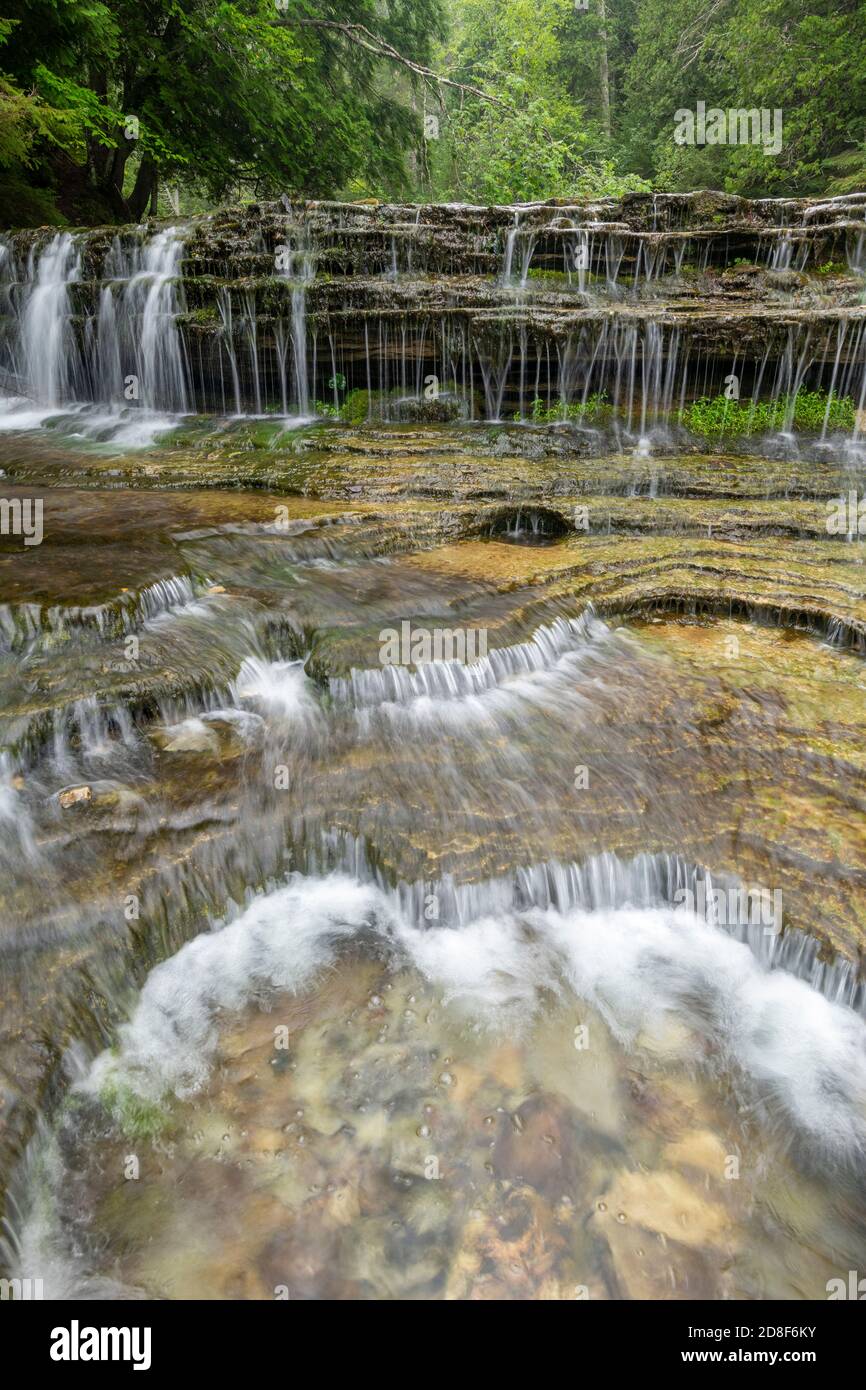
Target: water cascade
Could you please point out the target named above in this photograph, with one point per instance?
(636, 303)
(431, 752)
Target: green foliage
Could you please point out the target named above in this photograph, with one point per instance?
(718, 416)
(528, 153)
(544, 133)
(356, 407)
(226, 97)
(25, 206)
(805, 61)
(808, 410)
(595, 408)
(237, 99)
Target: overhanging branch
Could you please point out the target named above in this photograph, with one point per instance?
(363, 37)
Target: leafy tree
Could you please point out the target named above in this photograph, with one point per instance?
(747, 54)
(545, 129)
(228, 94)
(102, 102)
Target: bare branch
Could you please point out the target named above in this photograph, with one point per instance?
(362, 36)
(691, 40)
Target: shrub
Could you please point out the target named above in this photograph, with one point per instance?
(595, 407)
(807, 411)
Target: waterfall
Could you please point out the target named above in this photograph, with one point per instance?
(45, 364)
(224, 305)
(454, 680)
(458, 305)
(856, 253)
(298, 266)
(509, 248)
(142, 321)
(127, 353)
(45, 337)
(251, 330)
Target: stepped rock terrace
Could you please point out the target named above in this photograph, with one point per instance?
(265, 438)
(645, 303)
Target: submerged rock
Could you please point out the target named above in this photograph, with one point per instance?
(75, 796)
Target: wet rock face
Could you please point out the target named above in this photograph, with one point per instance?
(444, 312)
(529, 526)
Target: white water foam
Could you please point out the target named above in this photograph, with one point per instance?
(17, 837)
(539, 672)
(279, 688)
(117, 428)
(279, 942)
(804, 1056)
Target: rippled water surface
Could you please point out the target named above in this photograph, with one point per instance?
(324, 978)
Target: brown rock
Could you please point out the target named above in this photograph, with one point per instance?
(75, 796)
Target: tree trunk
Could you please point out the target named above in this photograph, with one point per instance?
(145, 184)
(604, 70)
(110, 183)
(117, 165)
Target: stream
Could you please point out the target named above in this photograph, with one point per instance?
(432, 772)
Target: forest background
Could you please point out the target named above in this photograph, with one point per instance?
(111, 110)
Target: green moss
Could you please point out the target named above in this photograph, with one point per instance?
(203, 318)
(560, 279)
(264, 435)
(136, 1117)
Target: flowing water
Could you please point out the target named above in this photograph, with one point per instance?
(432, 834)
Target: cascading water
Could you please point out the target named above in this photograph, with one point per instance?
(127, 355)
(495, 992)
(565, 914)
(41, 362)
(606, 315)
(300, 269)
(136, 350)
(45, 334)
(148, 308)
(510, 241)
